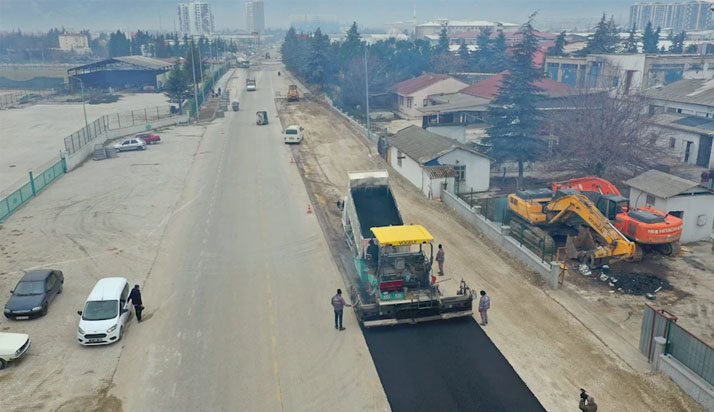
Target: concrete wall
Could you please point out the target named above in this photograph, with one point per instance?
(698, 211)
(449, 85)
(548, 271)
(477, 168)
(681, 138)
(433, 187)
(85, 152)
(696, 387)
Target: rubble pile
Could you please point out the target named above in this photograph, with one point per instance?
(639, 284)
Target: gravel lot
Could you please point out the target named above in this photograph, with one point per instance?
(104, 219)
(34, 135)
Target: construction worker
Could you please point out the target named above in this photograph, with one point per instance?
(373, 252)
(135, 298)
(440, 260)
(588, 404)
(338, 303)
(484, 304)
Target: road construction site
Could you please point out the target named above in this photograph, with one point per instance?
(557, 341)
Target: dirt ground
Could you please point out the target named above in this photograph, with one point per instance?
(104, 219)
(558, 341)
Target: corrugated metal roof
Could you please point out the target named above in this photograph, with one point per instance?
(660, 184)
(435, 172)
(694, 91)
(457, 102)
(142, 61)
(692, 124)
(423, 146)
(417, 83)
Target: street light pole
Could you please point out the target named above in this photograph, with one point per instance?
(366, 88)
(84, 104)
(200, 66)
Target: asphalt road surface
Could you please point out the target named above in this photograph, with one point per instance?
(237, 303)
(446, 366)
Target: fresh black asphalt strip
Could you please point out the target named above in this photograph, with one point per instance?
(446, 366)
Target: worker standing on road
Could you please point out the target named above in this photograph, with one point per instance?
(338, 303)
(373, 252)
(483, 306)
(135, 298)
(440, 260)
(588, 404)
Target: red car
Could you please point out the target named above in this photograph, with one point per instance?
(149, 138)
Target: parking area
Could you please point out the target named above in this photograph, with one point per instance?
(104, 219)
(33, 135)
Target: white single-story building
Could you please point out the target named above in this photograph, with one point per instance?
(693, 203)
(413, 94)
(433, 162)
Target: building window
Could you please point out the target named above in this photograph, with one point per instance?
(426, 102)
(650, 200)
(672, 142)
(400, 156)
(410, 101)
(460, 172)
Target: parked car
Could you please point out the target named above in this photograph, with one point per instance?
(105, 313)
(34, 293)
(293, 134)
(13, 346)
(131, 144)
(149, 138)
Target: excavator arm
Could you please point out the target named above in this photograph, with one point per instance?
(616, 243)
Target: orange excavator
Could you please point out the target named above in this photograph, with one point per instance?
(649, 227)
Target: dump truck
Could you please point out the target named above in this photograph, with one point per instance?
(394, 261)
(293, 95)
(590, 236)
(652, 229)
(250, 85)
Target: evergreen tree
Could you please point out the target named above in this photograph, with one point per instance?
(178, 86)
(514, 121)
(678, 43)
(559, 46)
(463, 51)
(605, 38)
(352, 46)
(631, 42)
(499, 53)
(318, 60)
(650, 39)
(192, 64)
(118, 44)
(482, 59)
(692, 49)
(443, 46)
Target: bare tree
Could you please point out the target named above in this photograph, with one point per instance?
(607, 134)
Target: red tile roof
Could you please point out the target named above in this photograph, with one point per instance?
(410, 86)
(488, 88)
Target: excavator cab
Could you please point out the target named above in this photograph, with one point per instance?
(612, 205)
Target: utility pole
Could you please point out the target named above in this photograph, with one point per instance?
(200, 66)
(84, 106)
(195, 88)
(366, 89)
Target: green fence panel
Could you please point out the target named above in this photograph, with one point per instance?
(22, 195)
(692, 352)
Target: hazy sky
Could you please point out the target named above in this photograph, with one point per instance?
(161, 14)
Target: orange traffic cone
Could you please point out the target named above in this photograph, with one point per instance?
(292, 160)
(309, 209)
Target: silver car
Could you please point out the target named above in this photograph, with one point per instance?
(131, 144)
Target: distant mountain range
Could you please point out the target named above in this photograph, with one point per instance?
(131, 15)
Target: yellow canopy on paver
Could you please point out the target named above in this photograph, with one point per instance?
(401, 235)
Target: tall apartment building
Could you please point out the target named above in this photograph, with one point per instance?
(255, 16)
(195, 18)
(692, 15)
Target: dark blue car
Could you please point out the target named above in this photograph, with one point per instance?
(33, 294)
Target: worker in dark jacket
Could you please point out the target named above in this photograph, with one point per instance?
(338, 304)
(135, 298)
(588, 404)
(373, 252)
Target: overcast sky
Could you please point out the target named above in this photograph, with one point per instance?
(161, 14)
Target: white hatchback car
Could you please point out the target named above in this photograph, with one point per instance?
(293, 134)
(105, 313)
(13, 346)
(131, 144)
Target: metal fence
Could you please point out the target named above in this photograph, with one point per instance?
(86, 135)
(35, 183)
(682, 345)
(24, 96)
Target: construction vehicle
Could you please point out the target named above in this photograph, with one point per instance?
(261, 118)
(590, 237)
(707, 179)
(250, 85)
(293, 95)
(652, 229)
(235, 105)
(393, 260)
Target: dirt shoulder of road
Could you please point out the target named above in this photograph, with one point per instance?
(554, 351)
(106, 218)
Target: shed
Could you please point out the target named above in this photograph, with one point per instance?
(693, 203)
(120, 72)
(412, 94)
(433, 162)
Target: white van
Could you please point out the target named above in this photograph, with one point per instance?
(293, 134)
(105, 313)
